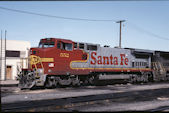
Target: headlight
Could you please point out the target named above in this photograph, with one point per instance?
(51, 64)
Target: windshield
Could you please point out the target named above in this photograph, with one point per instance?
(46, 44)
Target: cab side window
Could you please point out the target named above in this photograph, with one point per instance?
(67, 46)
(58, 45)
(81, 46)
(75, 45)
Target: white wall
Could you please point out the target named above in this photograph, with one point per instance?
(14, 45)
(18, 45)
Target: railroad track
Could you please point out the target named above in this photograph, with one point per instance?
(45, 105)
(163, 108)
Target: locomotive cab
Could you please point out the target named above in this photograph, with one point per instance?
(49, 53)
(38, 58)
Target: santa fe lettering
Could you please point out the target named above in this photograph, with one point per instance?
(108, 60)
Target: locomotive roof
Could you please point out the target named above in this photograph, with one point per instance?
(163, 53)
(141, 50)
(133, 49)
(60, 39)
(148, 51)
(88, 43)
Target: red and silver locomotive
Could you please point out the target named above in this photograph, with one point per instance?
(64, 62)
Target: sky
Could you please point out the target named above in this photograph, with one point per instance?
(146, 25)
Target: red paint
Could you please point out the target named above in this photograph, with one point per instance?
(123, 59)
(94, 58)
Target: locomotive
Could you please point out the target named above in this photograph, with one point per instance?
(65, 62)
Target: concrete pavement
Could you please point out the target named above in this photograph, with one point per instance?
(8, 83)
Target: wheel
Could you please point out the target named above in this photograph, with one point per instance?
(48, 83)
(75, 81)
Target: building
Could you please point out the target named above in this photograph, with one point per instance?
(15, 58)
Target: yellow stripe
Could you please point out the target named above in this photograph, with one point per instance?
(47, 59)
(78, 61)
(36, 59)
(115, 68)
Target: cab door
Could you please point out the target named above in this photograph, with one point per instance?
(64, 53)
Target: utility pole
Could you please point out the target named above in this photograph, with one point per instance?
(120, 31)
(1, 58)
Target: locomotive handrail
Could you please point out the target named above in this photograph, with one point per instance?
(34, 60)
(158, 66)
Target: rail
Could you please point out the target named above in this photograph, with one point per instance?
(57, 103)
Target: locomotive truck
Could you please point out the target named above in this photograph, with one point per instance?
(65, 62)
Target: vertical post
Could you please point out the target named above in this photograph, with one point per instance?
(22, 62)
(1, 58)
(27, 58)
(5, 55)
(120, 32)
(120, 36)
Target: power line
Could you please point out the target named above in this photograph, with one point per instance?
(147, 32)
(82, 19)
(52, 16)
